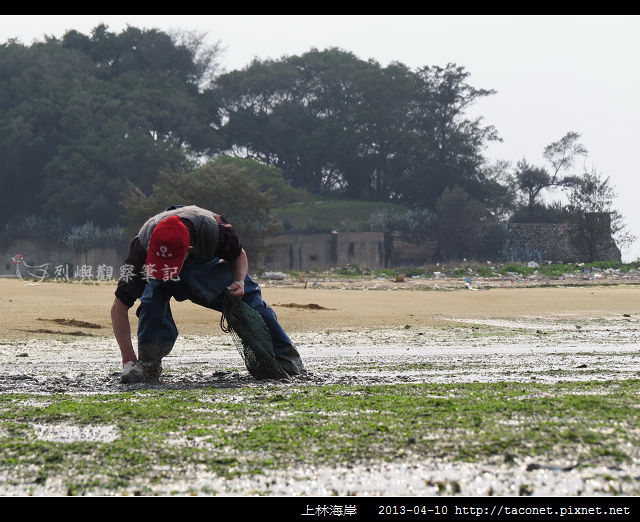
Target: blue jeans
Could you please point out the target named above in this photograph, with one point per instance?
(202, 283)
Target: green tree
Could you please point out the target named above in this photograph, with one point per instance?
(334, 123)
(465, 227)
(292, 114)
(562, 154)
(594, 193)
(82, 116)
(36, 84)
(444, 96)
(241, 190)
(449, 146)
(442, 146)
(530, 181)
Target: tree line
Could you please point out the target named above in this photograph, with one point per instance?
(102, 128)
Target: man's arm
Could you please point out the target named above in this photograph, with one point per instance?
(239, 268)
(130, 287)
(122, 330)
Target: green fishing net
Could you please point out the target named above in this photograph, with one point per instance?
(251, 338)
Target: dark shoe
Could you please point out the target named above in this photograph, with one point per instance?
(290, 361)
(151, 372)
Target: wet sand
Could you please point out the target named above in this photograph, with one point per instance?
(56, 338)
(30, 311)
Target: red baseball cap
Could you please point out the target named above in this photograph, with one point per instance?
(168, 247)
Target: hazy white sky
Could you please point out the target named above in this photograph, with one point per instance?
(552, 74)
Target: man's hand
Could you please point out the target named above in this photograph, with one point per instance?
(122, 330)
(239, 267)
(236, 289)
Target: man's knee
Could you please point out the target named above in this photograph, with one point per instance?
(154, 349)
(157, 331)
